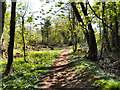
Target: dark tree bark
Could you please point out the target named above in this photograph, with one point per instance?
(81, 21)
(0, 28)
(23, 37)
(70, 29)
(112, 33)
(75, 35)
(42, 33)
(11, 42)
(3, 10)
(116, 28)
(105, 32)
(92, 40)
(23, 29)
(46, 31)
(75, 42)
(101, 50)
(3, 13)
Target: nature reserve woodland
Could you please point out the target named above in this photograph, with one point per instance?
(54, 45)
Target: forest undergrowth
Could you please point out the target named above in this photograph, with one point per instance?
(92, 74)
(28, 75)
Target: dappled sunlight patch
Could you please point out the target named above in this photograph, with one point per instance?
(29, 75)
(113, 84)
(90, 74)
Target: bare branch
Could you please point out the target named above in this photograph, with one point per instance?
(100, 18)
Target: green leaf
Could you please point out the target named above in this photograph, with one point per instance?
(80, 23)
(62, 11)
(43, 13)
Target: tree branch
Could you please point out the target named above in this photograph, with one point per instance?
(100, 18)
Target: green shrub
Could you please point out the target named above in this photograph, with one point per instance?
(112, 84)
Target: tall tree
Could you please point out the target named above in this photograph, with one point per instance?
(23, 29)
(3, 13)
(90, 36)
(73, 32)
(0, 28)
(11, 42)
(23, 37)
(23, 10)
(46, 32)
(80, 21)
(105, 32)
(3, 10)
(92, 39)
(116, 27)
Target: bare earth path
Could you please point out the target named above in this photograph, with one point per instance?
(61, 75)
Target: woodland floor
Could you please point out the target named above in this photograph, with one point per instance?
(63, 76)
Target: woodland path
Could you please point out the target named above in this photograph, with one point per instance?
(61, 75)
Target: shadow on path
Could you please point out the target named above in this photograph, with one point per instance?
(61, 75)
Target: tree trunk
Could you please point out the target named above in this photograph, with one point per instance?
(0, 29)
(11, 42)
(80, 21)
(2, 11)
(0, 19)
(105, 33)
(23, 37)
(75, 42)
(116, 29)
(92, 41)
(112, 33)
(70, 29)
(75, 35)
(101, 51)
(47, 33)
(43, 35)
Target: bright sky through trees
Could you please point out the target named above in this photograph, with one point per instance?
(37, 5)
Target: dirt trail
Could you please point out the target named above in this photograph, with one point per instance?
(61, 75)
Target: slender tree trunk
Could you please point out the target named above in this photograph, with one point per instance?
(75, 42)
(23, 37)
(0, 29)
(105, 33)
(92, 40)
(101, 51)
(0, 19)
(75, 35)
(11, 42)
(2, 11)
(70, 29)
(100, 29)
(112, 33)
(47, 33)
(80, 21)
(116, 28)
(43, 35)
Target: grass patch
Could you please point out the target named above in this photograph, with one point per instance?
(29, 75)
(91, 74)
